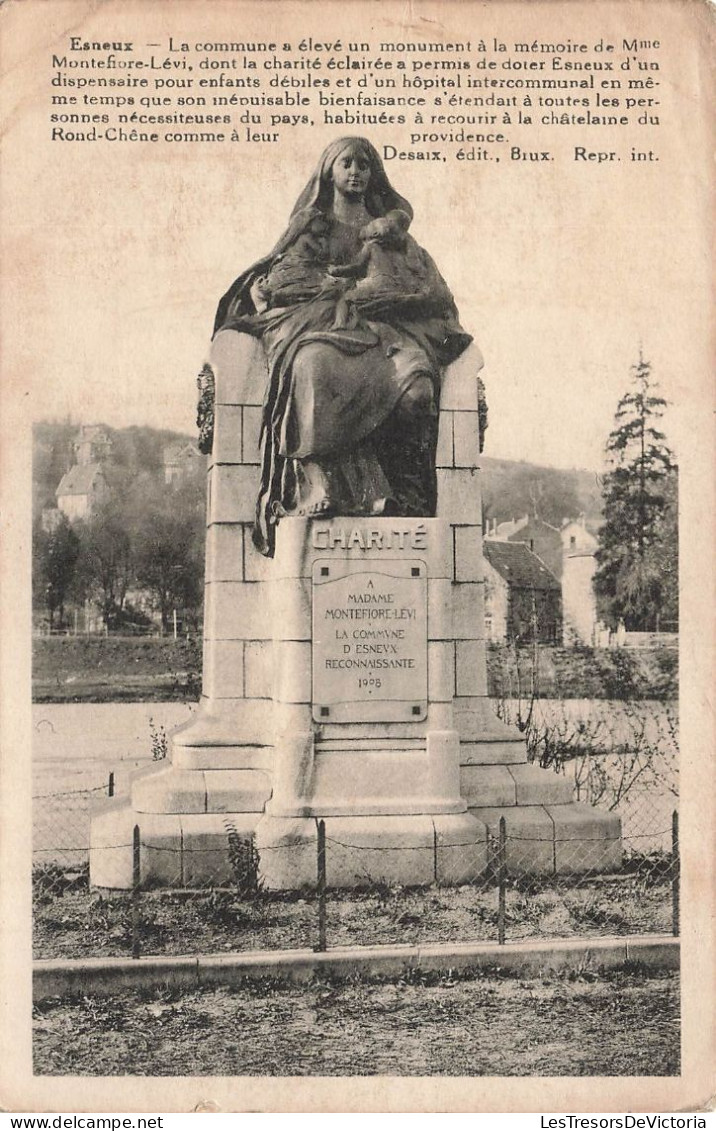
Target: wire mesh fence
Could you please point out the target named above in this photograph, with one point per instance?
(619, 757)
(520, 883)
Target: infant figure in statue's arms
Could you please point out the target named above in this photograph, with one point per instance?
(387, 267)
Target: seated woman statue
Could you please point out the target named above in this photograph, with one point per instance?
(350, 412)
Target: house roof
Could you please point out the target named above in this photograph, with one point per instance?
(92, 432)
(591, 525)
(533, 526)
(509, 527)
(518, 566)
(79, 480)
(179, 450)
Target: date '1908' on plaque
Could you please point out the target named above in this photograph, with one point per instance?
(370, 640)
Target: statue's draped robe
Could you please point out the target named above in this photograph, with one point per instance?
(331, 392)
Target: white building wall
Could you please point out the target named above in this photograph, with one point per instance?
(74, 506)
(579, 605)
(496, 598)
(576, 539)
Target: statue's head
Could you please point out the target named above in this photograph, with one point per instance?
(350, 170)
(388, 230)
(353, 164)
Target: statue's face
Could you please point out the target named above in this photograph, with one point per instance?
(350, 172)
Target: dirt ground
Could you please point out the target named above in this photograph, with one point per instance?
(79, 923)
(617, 1023)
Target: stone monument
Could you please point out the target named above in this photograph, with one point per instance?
(344, 651)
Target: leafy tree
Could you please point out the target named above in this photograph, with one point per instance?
(637, 575)
(139, 448)
(106, 566)
(168, 536)
(147, 534)
(55, 555)
(52, 456)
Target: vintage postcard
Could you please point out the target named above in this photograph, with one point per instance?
(357, 562)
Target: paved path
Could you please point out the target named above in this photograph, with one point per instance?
(74, 748)
(76, 745)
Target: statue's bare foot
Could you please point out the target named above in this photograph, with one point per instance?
(385, 508)
(321, 507)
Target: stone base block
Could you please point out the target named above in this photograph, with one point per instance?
(461, 849)
(176, 849)
(176, 790)
(493, 752)
(392, 850)
(225, 723)
(379, 782)
(585, 839)
(223, 758)
(487, 785)
(110, 854)
(535, 786)
(530, 837)
(566, 839)
(363, 851)
(287, 848)
(485, 739)
(522, 784)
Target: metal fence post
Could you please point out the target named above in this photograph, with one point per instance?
(136, 882)
(675, 873)
(501, 880)
(321, 885)
(110, 784)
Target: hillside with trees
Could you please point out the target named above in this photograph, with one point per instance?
(137, 556)
(140, 552)
(511, 489)
(136, 450)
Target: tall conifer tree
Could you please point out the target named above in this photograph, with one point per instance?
(636, 578)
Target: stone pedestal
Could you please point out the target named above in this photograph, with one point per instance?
(410, 777)
(365, 677)
(220, 774)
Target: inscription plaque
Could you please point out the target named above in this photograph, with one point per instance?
(370, 640)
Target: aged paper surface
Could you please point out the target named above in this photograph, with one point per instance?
(568, 245)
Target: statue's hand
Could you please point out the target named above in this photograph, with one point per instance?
(260, 294)
(333, 283)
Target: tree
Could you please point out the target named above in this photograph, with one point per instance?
(52, 456)
(106, 568)
(55, 555)
(168, 536)
(636, 577)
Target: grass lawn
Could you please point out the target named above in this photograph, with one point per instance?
(80, 922)
(616, 1023)
(115, 669)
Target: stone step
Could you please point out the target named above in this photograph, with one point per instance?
(525, 784)
(174, 790)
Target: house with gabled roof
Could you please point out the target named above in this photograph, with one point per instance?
(182, 460)
(81, 490)
(523, 598)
